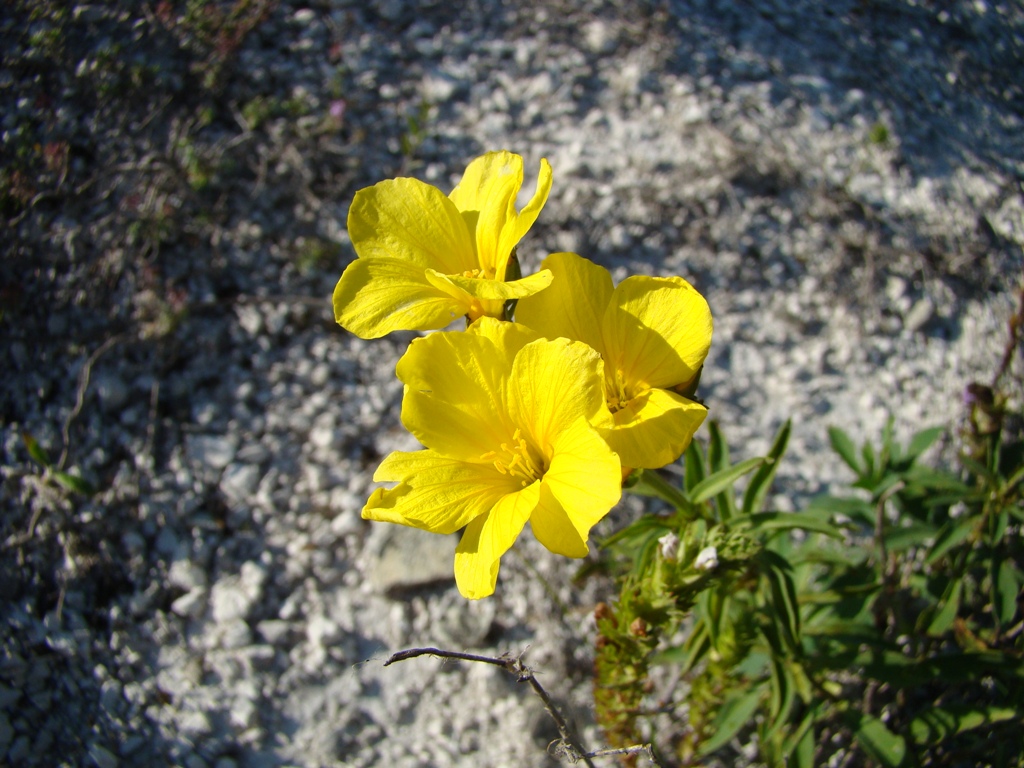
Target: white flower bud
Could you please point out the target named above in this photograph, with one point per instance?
(707, 560)
(669, 544)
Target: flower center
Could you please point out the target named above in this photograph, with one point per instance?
(484, 274)
(616, 391)
(516, 459)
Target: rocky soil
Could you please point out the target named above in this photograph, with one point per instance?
(842, 180)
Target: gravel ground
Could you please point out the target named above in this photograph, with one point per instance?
(841, 180)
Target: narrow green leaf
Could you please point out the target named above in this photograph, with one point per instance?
(906, 536)
(783, 694)
(999, 529)
(922, 441)
(736, 712)
(867, 451)
(718, 449)
(1015, 478)
(777, 521)
(934, 726)
(947, 613)
(74, 483)
(951, 534)
(783, 593)
(35, 450)
(1007, 591)
(687, 655)
(843, 445)
(856, 509)
(799, 747)
(977, 468)
(719, 481)
(760, 483)
(650, 483)
(695, 467)
(718, 459)
(879, 742)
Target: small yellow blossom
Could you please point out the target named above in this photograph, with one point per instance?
(504, 416)
(653, 334)
(425, 259)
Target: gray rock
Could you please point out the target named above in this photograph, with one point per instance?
(6, 733)
(192, 604)
(919, 315)
(409, 558)
(239, 481)
(214, 451)
(102, 757)
(229, 600)
(111, 390)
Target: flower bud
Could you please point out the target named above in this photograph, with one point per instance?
(707, 560)
(669, 546)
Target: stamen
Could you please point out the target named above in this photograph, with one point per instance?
(515, 459)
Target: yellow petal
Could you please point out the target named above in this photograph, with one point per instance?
(552, 385)
(518, 225)
(581, 485)
(657, 330)
(409, 220)
(377, 296)
(435, 493)
(654, 429)
(487, 538)
(574, 306)
(510, 337)
(482, 288)
(454, 390)
(486, 197)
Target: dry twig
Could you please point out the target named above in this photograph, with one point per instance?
(523, 674)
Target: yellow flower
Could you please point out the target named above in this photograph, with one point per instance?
(653, 334)
(504, 418)
(426, 259)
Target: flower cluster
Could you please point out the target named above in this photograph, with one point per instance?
(536, 419)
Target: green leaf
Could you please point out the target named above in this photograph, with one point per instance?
(649, 483)
(783, 694)
(779, 521)
(799, 746)
(694, 465)
(687, 655)
(879, 742)
(936, 725)
(783, 592)
(718, 458)
(922, 441)
(947, 613)
(35, 450)
(928, 480)
(901, 672)
(74, 483)
(1007, 589)
(843, 445)
(736, 712)
(898, 539)
(1002, 520)
(718, 449)
(855, 509)
(719, 481)
(950, 535)
(760, 483)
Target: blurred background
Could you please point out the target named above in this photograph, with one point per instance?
(188, 438)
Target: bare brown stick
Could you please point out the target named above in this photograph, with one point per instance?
(636, 749)
(523, 674)
(83, 385)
